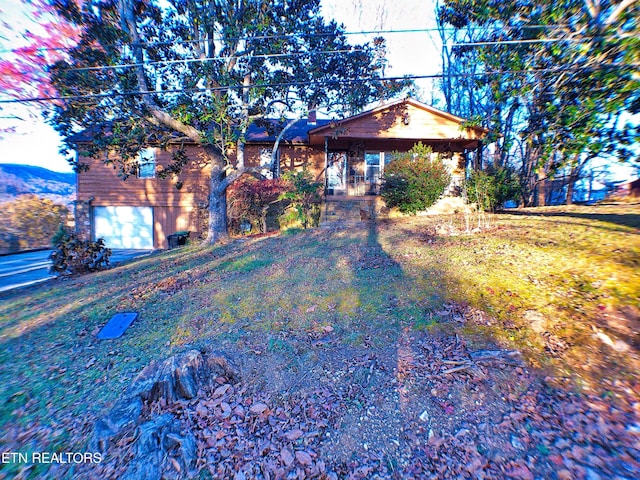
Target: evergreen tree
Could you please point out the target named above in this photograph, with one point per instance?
(562, 77)
(147, 72)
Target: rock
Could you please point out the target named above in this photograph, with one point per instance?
(179, 376)
(124, 414)
(155, 440)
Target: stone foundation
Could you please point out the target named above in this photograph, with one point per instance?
(82, 213)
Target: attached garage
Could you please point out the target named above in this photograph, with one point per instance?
(124, 227)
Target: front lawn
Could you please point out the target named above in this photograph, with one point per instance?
(323, 307)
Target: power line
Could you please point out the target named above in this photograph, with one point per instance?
(294, 54)
(534, 40)
(314, 83)
(208, 59)
(281, 36)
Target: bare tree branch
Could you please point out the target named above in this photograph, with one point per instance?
(613, 16)
(593, 6)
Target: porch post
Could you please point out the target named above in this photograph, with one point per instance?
(326, 163)
(477, 164)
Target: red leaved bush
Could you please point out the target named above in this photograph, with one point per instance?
(249, 200)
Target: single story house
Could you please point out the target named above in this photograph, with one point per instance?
(348, 156)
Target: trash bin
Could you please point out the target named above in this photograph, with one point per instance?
(178, 239)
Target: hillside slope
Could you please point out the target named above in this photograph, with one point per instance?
(18, 180)
(407, 348)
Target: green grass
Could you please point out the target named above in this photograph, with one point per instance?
(272, 293)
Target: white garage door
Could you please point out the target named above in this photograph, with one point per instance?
(124, 227)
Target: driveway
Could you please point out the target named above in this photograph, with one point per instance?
(29, 268)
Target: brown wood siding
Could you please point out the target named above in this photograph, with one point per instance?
(292, 157)
(390, 124)
(103, 184)
(168, 220)
(174, 209)
(298, 157)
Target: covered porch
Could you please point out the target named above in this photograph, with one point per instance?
(357, 149)
(357, 169)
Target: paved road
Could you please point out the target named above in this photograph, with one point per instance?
(29, 268)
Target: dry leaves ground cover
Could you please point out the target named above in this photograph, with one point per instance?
(401, 349)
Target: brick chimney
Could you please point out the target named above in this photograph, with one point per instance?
(311, 116)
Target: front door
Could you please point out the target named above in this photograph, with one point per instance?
(372, 171)
(337, 173)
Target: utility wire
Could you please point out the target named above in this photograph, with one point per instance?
(534, 40)
(209, 59)
(292, 54)
(314, 83)
(281, 36)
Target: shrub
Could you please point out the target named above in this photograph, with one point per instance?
(413, 181)
(304, 194)
(74, 255)
(33, 220)
(492, 187)
(249, 201)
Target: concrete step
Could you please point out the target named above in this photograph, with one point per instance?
(352, 210)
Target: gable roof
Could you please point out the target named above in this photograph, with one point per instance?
(321, 130)
(443, 126)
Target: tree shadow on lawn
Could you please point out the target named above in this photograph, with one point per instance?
(332, 306)
(631, 220)
(52, 365)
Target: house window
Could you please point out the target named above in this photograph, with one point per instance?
(390, 157)
(372, 167)
(147, 163)
(266, 169)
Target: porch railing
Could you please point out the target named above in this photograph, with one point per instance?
(358, 186)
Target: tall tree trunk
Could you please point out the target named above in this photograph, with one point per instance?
(541, 189)
(573, 178)
(217, 207)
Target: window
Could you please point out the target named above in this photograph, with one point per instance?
(372, 167)
(147, 163)
(266, 169)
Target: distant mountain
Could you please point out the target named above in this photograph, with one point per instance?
(18, 180)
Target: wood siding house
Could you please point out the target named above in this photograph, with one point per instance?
(347, 155)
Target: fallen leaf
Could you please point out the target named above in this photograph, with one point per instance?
(303, 458)
(286, 456)
(565, 475)
(175, 464)
(293, 435)
(221, 390)
(521, 472)
(201, 410)
(258, 408)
